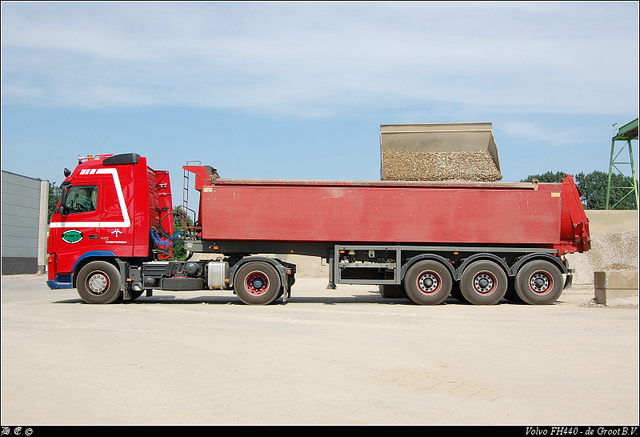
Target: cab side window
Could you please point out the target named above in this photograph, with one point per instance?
(81, 199)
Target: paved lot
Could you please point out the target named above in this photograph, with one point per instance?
(342, 356)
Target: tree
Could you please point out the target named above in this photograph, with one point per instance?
(55, 193)
(594, 188)
(179, 252)
(546, 177)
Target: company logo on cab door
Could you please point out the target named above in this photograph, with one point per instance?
(72, 236)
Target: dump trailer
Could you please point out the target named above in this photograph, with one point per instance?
(111, 235)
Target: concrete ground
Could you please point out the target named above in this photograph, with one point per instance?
(342, 356)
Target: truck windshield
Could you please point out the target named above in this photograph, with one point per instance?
(81, 199)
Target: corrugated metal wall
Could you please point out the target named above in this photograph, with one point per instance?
(24, 224)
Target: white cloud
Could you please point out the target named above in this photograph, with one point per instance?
(567, 135)
(311, 58)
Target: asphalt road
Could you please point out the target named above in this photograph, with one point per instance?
(342, 356)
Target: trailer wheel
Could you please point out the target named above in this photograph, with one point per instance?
(539, 282)
(483, 283)
(99, 282)
(257, 283)
(428, 282)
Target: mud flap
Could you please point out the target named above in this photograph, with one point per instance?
(124, 284)
(569, 280)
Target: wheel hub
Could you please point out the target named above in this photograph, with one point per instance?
(98, 284)
(428, 282)
(540, 282)
(483, 282)
(257, 283)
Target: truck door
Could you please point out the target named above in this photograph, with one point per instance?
(77, 230)
(116, 230)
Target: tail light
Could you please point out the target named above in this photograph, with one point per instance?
(51, 267)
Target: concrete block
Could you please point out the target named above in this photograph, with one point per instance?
(606, 222)
(616, 287)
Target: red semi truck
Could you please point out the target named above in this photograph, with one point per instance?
(110, 235)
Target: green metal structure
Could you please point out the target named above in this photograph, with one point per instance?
(625, 134)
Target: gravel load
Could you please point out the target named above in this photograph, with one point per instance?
(614, 251)
(476, 166)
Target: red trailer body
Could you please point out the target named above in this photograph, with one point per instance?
(530, 214)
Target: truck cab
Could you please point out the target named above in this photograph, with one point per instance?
(109, 205)
(112, 232)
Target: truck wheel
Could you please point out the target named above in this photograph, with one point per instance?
(99, 282)
(539, 282)
(257, 283)
(427, 283)
(483, 283)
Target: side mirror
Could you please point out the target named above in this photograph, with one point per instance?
(67, 172)
(62, 209)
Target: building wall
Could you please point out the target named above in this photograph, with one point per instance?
(24, 224)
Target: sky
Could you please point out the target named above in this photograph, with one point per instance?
(289, 90)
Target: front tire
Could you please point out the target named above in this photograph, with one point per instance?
(99, 282)
(257, 283)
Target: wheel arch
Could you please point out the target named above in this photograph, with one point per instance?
(515, 268)
(275, 263)
(94, 255)
(428, 256)
(483, 257)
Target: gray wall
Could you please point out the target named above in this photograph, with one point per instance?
(607, 222)
(24, 224)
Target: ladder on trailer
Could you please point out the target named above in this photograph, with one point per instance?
(184, 213)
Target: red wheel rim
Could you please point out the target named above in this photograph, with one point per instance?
(256, 283)
(429, 282)
(485, 283)
(541, 282)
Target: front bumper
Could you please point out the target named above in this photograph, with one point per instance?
(61, 281)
